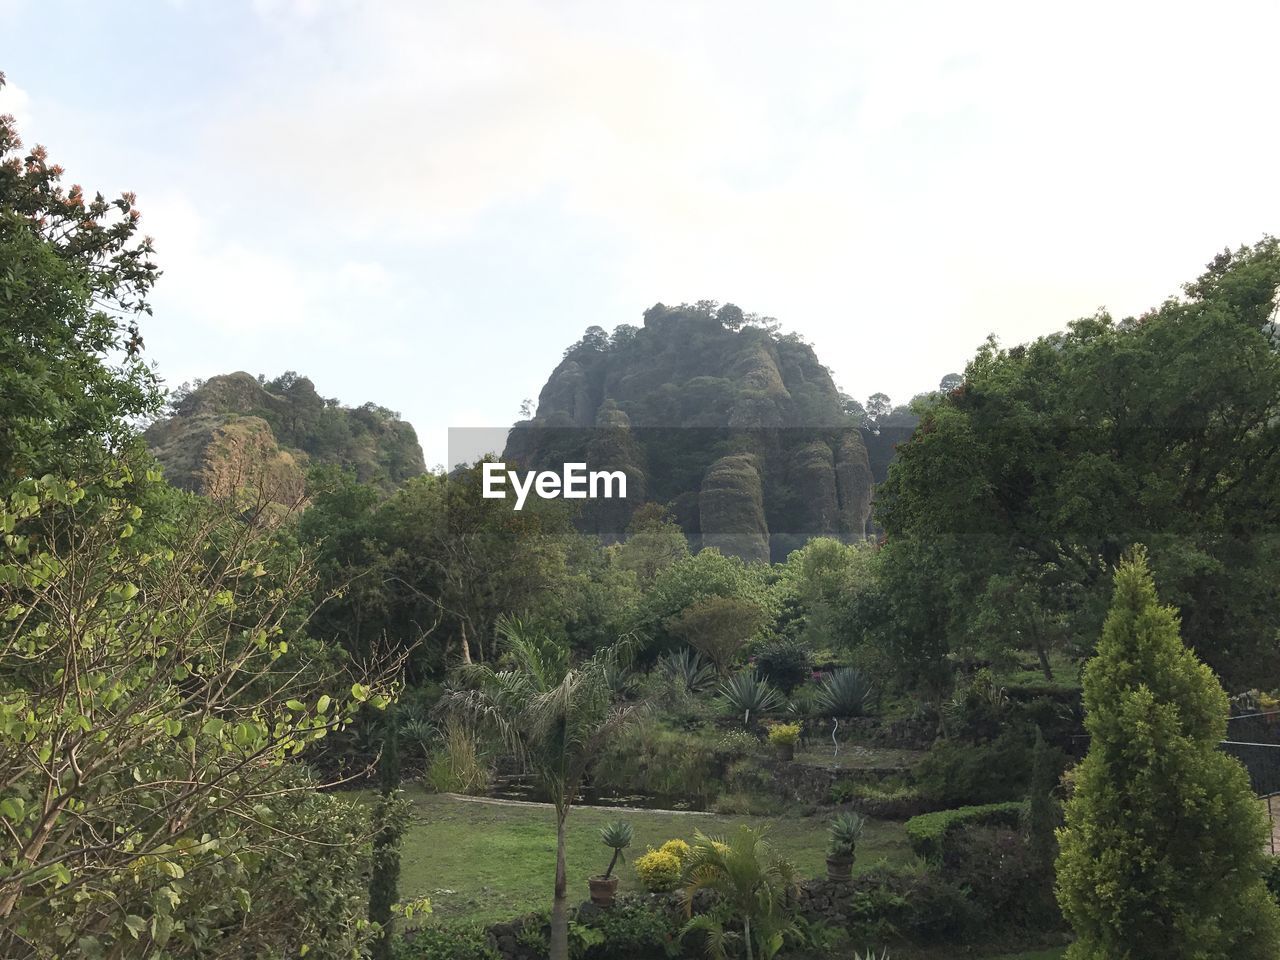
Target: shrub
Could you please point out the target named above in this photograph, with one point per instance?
(784, 734)
(658, 870)
(677, 848)
(844, 693)
(1004, 875)
(632, 931)
(887, 800)
(746, 693)
(738, 742)
(785, 663)
(453, 942)
(955, 773)
(928, 832)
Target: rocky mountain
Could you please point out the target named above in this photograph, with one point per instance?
(237, 430)
(741, 431)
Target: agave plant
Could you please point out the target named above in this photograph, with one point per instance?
(686, 669)
(748, 693)
(872, 955)
(617, 836)
(845, 693)
(843, 834)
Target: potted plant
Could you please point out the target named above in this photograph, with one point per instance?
(843, 834)
(783, 736)
(617, 836)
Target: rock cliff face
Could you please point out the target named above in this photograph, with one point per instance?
(237, 431)
(741, 431)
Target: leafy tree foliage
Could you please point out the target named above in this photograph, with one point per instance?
(555, 716)
(74, 278)
(719, 627)
(754, 884)
(149, 708)
(1161, 855)
(1022, 485)
(432, 567)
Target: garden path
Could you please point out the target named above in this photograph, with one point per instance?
(498, 802)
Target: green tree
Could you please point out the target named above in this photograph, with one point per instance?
(151, 706)
(753, 884)
(1043, 812)
(719, 627)
(1162, 852)
(1021, 487)
(74, 278)
(384, 881)
(555, 716)
(654, 542)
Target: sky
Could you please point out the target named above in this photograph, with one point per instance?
(423, 202)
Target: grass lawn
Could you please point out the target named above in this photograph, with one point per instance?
(488, 862)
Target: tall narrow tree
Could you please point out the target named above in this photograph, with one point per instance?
(1161, 855)
(384, 881)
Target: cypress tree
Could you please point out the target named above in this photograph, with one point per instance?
(384, 881)
(1162, 852)
(1042, 808)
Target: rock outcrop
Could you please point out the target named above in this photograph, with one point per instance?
(740, 431)
(238, 432)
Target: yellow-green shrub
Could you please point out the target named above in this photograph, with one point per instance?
(658, 870)
(678, 848)
(784, 733)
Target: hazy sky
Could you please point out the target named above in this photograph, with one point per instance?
(422, 203)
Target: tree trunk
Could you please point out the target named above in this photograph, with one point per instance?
(746, 935)
(560, 905)
(1044, 662)
(466, 648)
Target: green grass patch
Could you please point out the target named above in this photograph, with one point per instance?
(489, 862)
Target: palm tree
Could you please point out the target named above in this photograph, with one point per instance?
(554, 716)
(754, 884)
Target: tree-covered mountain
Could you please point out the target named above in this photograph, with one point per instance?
(740, 430)
(238, 430)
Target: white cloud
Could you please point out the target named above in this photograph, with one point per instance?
(17, 103)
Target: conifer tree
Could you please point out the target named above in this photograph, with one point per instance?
(384, 880)
(1162, 852)
(1042, 808)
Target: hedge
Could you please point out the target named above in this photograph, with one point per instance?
(928, 832)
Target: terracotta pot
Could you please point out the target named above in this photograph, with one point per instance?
(786, 751)
(602, 890)
(839, 867)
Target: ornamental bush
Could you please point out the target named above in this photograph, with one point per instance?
(677, 848)
(658, 870)
(1162, 853)
(784, 734)
(928, 832)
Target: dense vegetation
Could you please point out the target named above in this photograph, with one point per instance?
(199, 694)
